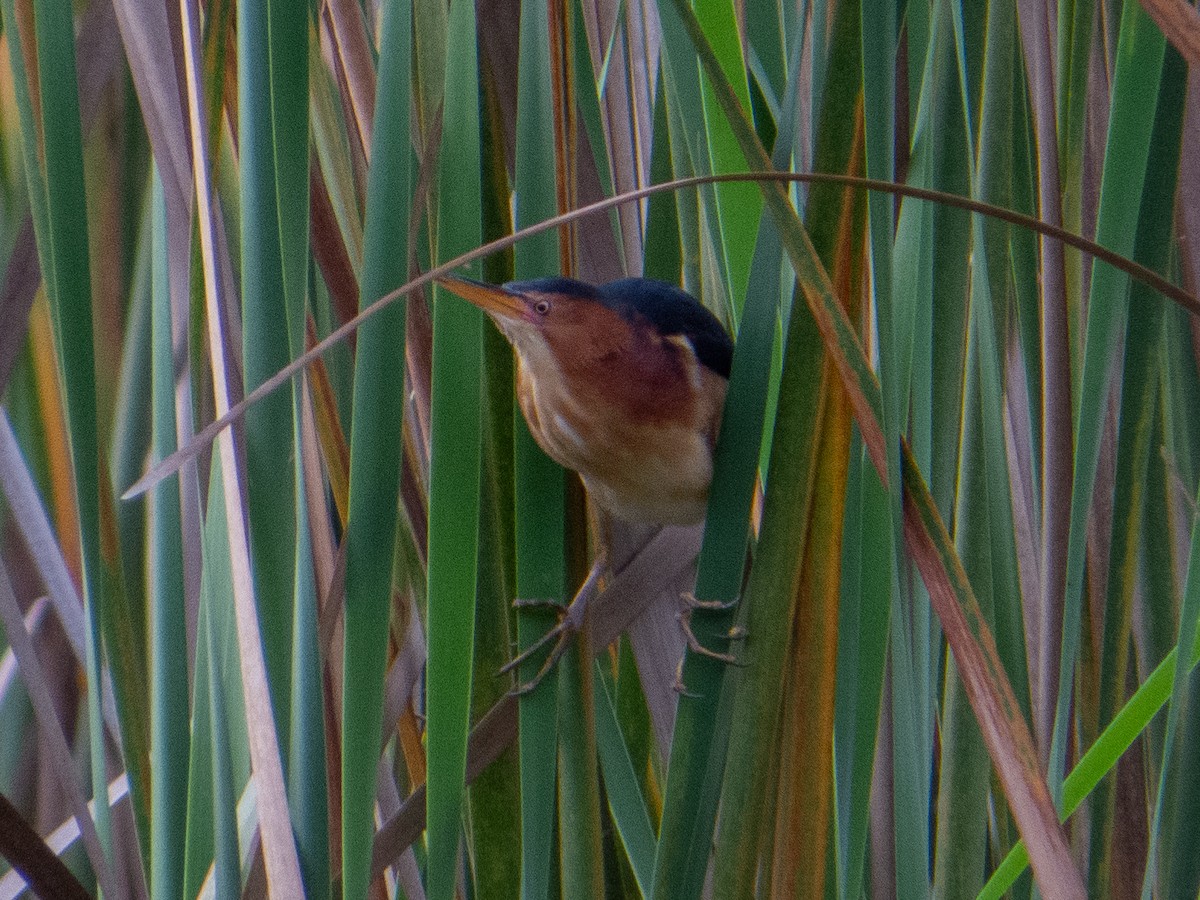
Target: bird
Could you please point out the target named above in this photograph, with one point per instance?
(623, 383)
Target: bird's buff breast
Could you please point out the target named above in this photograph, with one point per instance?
(636, 468)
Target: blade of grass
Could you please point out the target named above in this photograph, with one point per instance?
(430, 34)
(170, 715)
(680, 94)
(131, 428)
(22, 278)
(355, 58)
(817, 602)
(622, 786)
(963, 776)
(663, 252)
(582, 248)
(332, 148)
(862, 653)
(805, 799)
(494, 800)
(288, 33)
(738, 208)
(269, 328)
(592, 250)
(226, 872)
(879, 38)
(1073, 59)
(1058, 386)
(454, 464)
(581, 864)
(1165, 551)
(375, 454)
(145, 33)
(769, 593)
(620, 113)
(307, 786)
(199, 849)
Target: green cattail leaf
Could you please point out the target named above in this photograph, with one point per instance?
(375, 452)
(454, 464)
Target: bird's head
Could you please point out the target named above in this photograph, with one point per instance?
(566, 320)
(545, 316)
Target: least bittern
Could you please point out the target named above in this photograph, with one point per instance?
(623, 383)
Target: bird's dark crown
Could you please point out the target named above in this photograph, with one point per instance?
(667, 308)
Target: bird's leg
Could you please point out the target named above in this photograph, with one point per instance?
(571, 620)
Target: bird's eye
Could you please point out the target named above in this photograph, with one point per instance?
(542, 307)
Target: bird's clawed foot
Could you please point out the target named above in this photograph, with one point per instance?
(737, 632)
(570, 622)
(560, 636)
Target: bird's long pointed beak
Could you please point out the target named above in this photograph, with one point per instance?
(492, 299)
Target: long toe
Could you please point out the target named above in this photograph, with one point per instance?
(685, 624)
(565, 637)
(564, 629)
